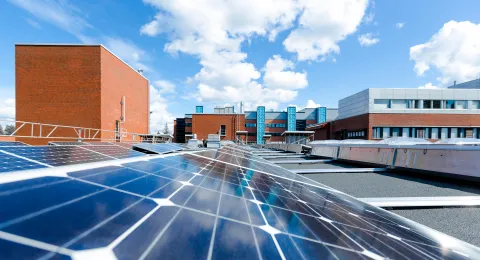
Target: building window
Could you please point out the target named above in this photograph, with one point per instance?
(223, 129)
(250, 125)
(377, 133)
(475, 104)
(427, 104)
(395, 132)
(437, 104)
(417, 103)
(460, 104)
(449, 104)
(444, 133)
(188, 124)
(381, 104)
(399, 104)
(434, 133)
(469, 132)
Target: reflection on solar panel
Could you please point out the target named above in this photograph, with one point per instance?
(125, 145)
(68, 143)
(100, 143)
(114, 151)
(157, 148)
(6, 143)
(193, 207)
(57, 155)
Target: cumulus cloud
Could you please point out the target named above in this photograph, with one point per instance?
(454, 51)
(278, 76)
(429, 85)
(400, 25)
(368, 39)
(164, 86)
(7, 109)
(159, 112)
(312, 104)
(215, 30)
(322, 24)
(128, 52)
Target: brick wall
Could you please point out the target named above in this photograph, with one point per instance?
(57, 85)
(78, 86)
(118, 80)
(205, 124)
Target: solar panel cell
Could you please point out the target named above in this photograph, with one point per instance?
(6, 143)
(146, 185)
(114, 151)
(12, 250)
(156, 148)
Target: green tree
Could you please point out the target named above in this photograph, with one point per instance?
(9, 129)
(1, 130)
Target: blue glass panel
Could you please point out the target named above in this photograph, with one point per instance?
(266, 245)
(240, 246)
(31, 199)
(233, 207)
(145, 166)
(83, 173)
(11, 250)
(136, 243)
(115, 177)
(190, 233)
(144, 186)
(321, 115)
(291, 118)
(204, 200)
(114, 151)
(57, 155)
(260, 124)
(167, 190)
(172, 173)
(10, 163)
(82, 215)
(107, 233)
(28, 184)
(6, 143)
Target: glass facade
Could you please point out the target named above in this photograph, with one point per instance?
(199, 109)
(382, 104)
(321, 115)
(426, 132)
(291, 118)
(260, 124)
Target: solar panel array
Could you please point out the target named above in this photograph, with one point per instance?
(157, 148)
(15, 158)
(203, 206)
(14, 143)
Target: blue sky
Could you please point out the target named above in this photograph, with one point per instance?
(273, 53)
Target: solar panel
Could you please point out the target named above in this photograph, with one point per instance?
(125, 145)
(114, 151)
(100, 143)
(10, 163)
(156, 148)
(68, 143)
(57, 155)
(192, 207)
(15, 143)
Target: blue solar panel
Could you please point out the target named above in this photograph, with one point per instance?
(156, 148)
(68, 143)
(114, 151)
(10, 163)
(5, 143)
(57, 155)
(193, 207)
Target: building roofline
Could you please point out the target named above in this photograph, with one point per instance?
(81, 45)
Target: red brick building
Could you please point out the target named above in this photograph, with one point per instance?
(85, 86)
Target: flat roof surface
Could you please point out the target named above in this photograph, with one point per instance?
(389, 184)
(462, 223)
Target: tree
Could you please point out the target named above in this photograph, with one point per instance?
(1, 130)
(166, 130)
(9, 129)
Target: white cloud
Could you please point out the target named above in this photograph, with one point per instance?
(312, 104)
(429, 85)
(400, 25)
(369, 18)
(160, 114)
(59, 13)
(7, 109)
(277, 75)
(128, 52)
(367, 39)
(165, 86)
(454, 51)
(322, 25)
(33, 23)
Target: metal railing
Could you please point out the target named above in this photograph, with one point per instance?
(24, 129)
